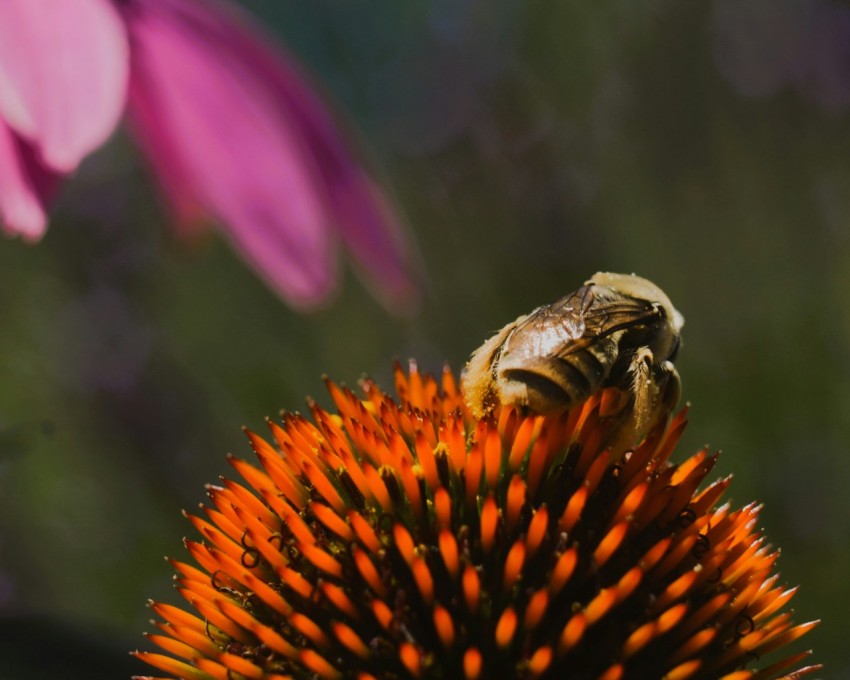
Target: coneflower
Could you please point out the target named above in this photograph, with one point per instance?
(406, 539)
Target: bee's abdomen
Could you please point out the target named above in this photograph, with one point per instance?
(552, 384)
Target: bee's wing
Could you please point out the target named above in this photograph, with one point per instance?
(583, 317)
(605, 318)
(552, 330)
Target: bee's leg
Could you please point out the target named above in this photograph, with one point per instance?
(669, 386)
(644, 390)
(636, 381)
(655, 390)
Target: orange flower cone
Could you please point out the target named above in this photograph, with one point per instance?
(406, 539)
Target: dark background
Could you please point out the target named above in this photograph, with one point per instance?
(703, 145)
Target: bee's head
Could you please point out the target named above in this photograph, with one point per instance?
(642, 289)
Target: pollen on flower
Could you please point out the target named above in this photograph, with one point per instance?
(403, 538)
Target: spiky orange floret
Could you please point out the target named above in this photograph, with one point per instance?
(405, 539)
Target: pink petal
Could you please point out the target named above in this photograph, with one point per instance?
(174, 179)
(63, 75)
(23, 188)
(362, 214)
(370, 230)
(213, 128)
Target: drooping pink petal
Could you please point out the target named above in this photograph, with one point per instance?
(211, 124)
(24, 188)
(63, 75)
(248, 83)
(370, 230)
(362, 214)
(173, 177)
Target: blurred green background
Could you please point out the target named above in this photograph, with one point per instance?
(528, 145)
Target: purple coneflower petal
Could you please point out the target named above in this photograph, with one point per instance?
(369, 229)
(208, 118)
(24, 186)
(63, 75)
(362, 214)
(234, 130)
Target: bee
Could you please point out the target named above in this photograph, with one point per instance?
(617, 330)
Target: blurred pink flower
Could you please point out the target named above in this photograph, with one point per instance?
(230, 125)
(63, 80)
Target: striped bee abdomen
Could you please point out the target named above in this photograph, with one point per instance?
(548, 384)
